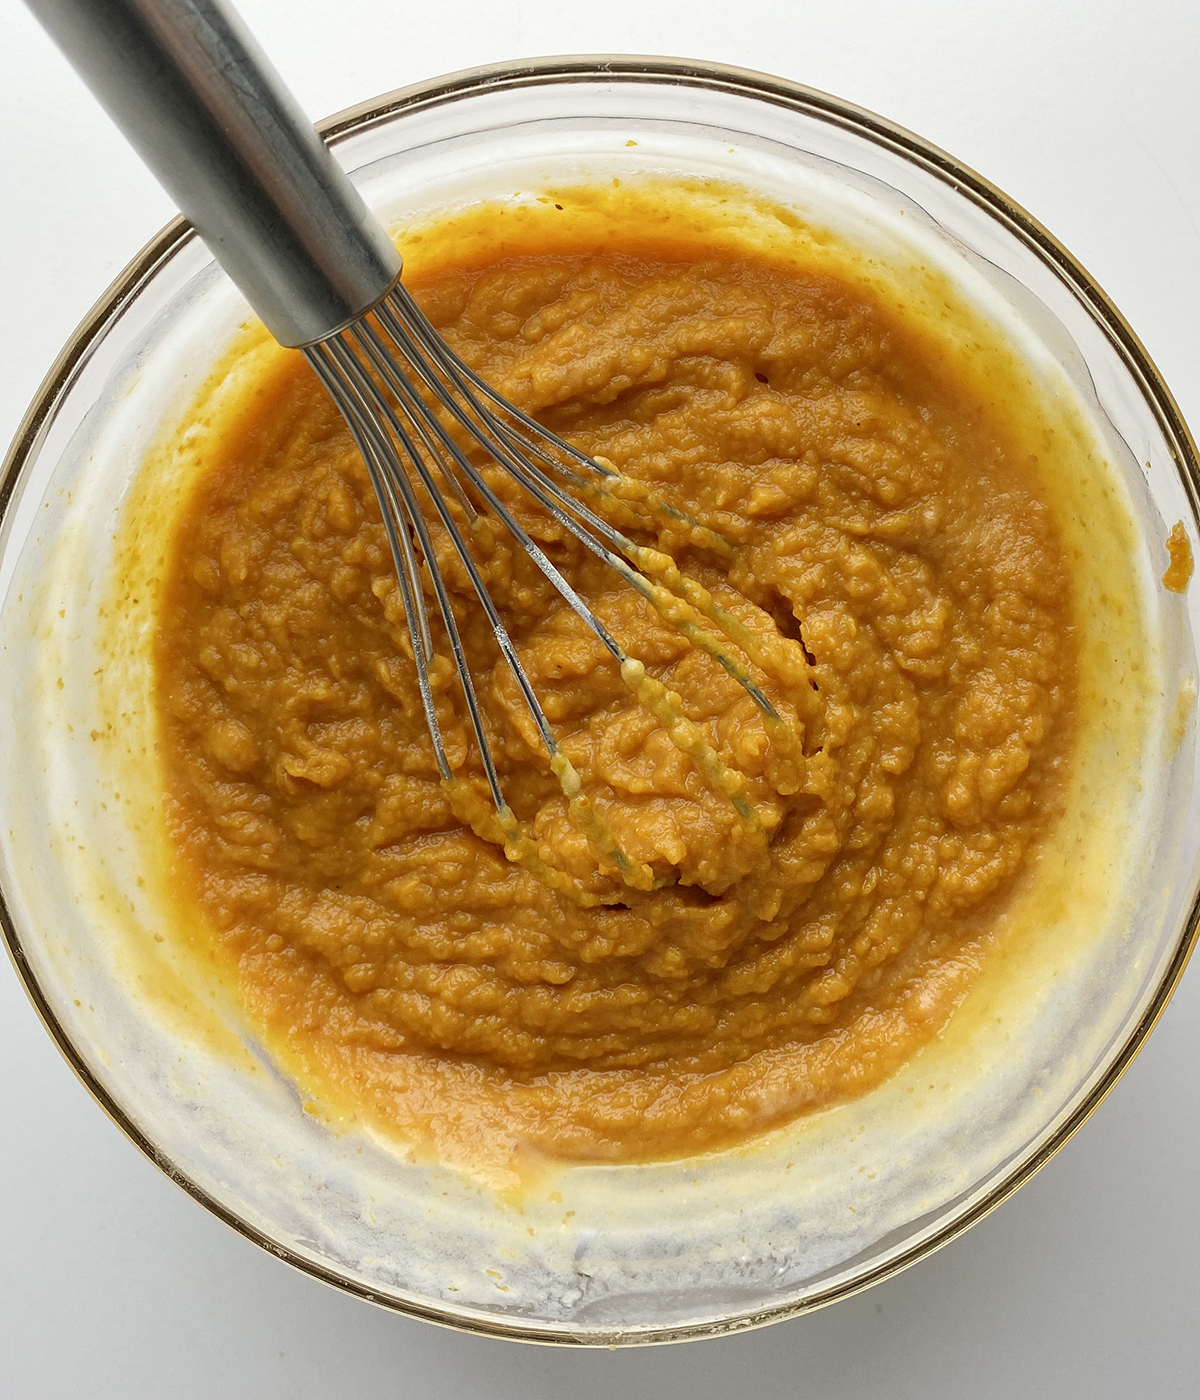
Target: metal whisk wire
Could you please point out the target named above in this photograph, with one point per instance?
(372, 372)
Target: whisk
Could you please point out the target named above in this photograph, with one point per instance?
(196, 97)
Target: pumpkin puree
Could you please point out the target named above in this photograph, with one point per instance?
(889, 546)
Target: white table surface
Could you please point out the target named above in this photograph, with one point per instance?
(115, 1284)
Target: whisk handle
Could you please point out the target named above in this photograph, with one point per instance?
(198, 100)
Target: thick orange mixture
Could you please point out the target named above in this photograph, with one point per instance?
(907, 582)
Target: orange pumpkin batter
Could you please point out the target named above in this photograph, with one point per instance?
(906, 580)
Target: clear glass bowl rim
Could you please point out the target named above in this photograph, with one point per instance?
(782, 92)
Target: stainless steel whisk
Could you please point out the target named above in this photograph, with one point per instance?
(199, 101)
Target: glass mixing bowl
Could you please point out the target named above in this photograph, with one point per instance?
(616, 1254)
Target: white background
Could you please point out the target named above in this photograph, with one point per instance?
(112, 1282)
